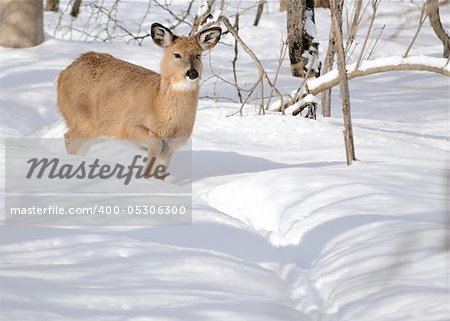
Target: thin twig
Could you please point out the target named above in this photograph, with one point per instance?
(375, 4)
(261, 69)
(174, 15)
(246, 99)
(376, 42)
(423, 17)
(283, 52)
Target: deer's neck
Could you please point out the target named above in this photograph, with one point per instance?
(178, 106)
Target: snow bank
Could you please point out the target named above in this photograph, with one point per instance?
(282, 229)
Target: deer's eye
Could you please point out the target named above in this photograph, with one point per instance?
(178, 56)
(198, 56)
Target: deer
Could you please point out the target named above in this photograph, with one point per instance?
(99, 95)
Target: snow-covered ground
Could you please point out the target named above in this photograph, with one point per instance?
(282, 229)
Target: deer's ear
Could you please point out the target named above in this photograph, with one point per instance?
(161, 35)
(208, 38)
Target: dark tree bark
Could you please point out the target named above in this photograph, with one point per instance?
(336, 14)
(436, 24)
(75, 8)
(259, 12)
(52, 5)
(302, 48)
(21, 23)
(295, 16)
(234, 61)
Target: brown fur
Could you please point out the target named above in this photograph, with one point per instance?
(99, 95)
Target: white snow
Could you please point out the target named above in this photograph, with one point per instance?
(310, 99)
(282, 229)
(203, 9)
(310, 26)
(214, 17)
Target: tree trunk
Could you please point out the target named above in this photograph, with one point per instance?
(435, 22)
(75, 8)
(336, 14)
(322, 3)
(327, 66)
(52, 5)
(234, 61)
(21, 23)
(317, 4)
(259, 12)
(303, 49)
(295, 23)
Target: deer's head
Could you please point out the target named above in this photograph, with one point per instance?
(182, 63)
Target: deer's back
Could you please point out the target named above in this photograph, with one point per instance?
(99, 94)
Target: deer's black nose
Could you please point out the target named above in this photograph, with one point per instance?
(192, 74)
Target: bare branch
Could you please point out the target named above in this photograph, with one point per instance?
(376, 42)
(202, 16)
(413, 63)
(282, 55)
(375, 4)
(436, 24)
(423, 17)
(255, 59)
(354, 24)
(179, 19)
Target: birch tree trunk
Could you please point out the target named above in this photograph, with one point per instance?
(21, 23)
(336, 14)
(436, 24)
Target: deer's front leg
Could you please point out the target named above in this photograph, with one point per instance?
(166, 148)
(157, 162)
(144, 137)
